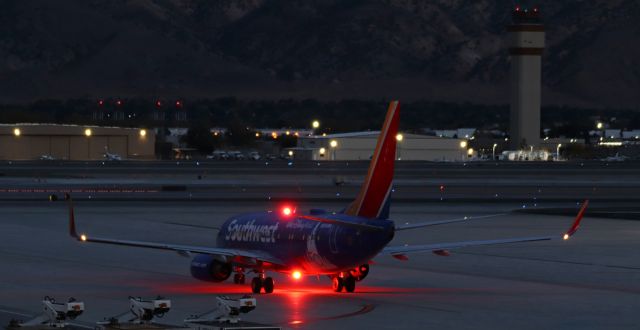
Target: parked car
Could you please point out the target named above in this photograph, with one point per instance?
(237, 155)
(254, 155)
(218, 154)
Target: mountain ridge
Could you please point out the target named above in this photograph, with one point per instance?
(439, 50)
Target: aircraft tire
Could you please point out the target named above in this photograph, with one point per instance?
(268, 285)
(337, 284)
(350, 284)
(256, 285)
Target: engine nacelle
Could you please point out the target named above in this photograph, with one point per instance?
(360, 272)
(208, 268)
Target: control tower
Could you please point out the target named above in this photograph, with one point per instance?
(526, 45)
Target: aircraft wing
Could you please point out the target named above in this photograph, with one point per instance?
(237, 255)
(407, 225)
(400, 252)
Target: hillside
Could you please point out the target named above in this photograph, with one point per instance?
(326, 49)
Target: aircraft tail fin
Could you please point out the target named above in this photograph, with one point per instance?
(373, 200)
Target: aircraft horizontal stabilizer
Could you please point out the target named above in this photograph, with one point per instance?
(362, 226)
(408, 225)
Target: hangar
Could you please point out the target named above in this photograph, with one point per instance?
(74, 142)
(360, 146)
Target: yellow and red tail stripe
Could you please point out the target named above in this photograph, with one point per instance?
(377, 186)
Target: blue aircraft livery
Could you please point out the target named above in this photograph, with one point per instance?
(340, 245)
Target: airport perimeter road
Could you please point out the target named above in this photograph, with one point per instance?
(528, 183)
(589, 282)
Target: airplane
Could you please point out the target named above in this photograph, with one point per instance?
(340, 245)
(616, 158)
(109, 156)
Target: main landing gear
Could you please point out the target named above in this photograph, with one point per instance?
(260, 282)
(344, 282)
(257, 283)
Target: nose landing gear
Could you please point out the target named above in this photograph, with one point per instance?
(238, 278)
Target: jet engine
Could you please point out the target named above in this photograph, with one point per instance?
(209, 268)
(360, 272)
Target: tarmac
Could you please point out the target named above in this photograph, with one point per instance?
(591, 281)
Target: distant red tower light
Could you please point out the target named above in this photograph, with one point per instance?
(158, 103)
(518, 9)
(119, 103)
(179, 104)
(100, 103)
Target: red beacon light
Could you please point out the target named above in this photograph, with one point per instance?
(297, 275)
(100, 103)
(178, 104)
(158, 103)
(287, 211)
(119, 102)
(518, 9)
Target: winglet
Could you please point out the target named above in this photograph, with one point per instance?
(576, 222)
(400, 256)
(72, 218)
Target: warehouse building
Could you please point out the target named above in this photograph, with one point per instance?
(360, 146)
(74, 142)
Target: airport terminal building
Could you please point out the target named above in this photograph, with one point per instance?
(74, 142)
(360, 146)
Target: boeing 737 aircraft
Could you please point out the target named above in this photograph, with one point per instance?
(340, 245)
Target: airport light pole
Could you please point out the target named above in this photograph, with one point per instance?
(463, 146)
(558, 151)
(600, 127)
(333, 144)
(494, 151)
(399, 138)
(88, 133)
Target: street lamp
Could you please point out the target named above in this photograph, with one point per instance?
(16, 132)
(463, 144)
(399, 138)
(315, 124)
(143, 133)
(470, 152)
(558, 151)
(494, 151)
(87, 133)
(334, 145)
(599, 125)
